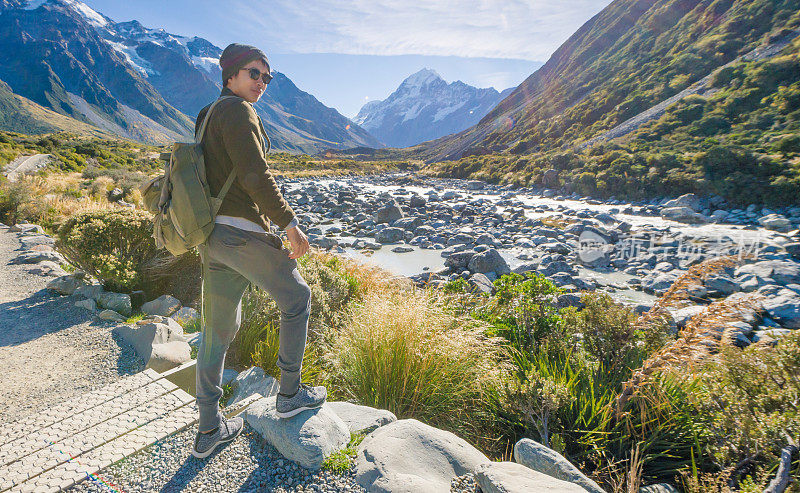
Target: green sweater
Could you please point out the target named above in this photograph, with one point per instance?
(233, 140)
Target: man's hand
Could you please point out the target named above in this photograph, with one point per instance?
(298, 242)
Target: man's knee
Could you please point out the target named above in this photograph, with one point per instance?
(301, 302)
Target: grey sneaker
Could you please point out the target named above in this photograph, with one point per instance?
(305, 398)
(205, 443)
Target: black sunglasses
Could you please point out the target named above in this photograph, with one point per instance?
(255, 74)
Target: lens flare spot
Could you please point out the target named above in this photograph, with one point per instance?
(347, 127)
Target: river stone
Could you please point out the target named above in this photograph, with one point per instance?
(481, 282)
(474, 185)
(408, 456)
(417, 201)
(33, 257)
(689, 200)
(47, 268)
(26, 228)
(110, 315)
(547, 461)
(459, 261)
(489, 260)
(28, 242)
(402, 249)
(793, 249)
(361, 419)
(65, 285)
(306, 438)
(168, 355)
(91, 291)
(723, 285)
(165, 305)
(88, 304)
(389, 213)
(510, 477)
(781, 271)
(776, 222)
(253, 381)
(784, 308)
(119, 302)
(683, 215)
(409, 223)
(143, 337)
(390, 235)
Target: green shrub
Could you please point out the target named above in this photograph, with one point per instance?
(522, 311)
(112, 245)
(611, 336)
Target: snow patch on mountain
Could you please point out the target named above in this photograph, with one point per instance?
(92, 16)
(133, 58)
(205, 63)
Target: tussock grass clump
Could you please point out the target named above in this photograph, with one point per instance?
(404, 351)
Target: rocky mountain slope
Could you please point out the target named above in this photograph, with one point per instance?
(141, 83)
(425, 107)
(629, 57)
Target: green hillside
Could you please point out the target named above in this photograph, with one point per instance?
(15, 117)
(742, 131)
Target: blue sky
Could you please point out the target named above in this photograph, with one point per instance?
(348, 52)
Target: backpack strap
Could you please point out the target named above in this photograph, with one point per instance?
(198, 137)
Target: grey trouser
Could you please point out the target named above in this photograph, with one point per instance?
(233, 258)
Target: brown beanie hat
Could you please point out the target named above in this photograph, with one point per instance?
(236, 56)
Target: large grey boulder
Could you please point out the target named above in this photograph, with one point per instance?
(26, 228)
(34, 257)
(91, 291)
(389, 213)
(119, 302)
(253, 381)
(28, 242)
(547, 461)
(165, 305)
(776, 222)
(782, 272)
(683, 215)
(168, 355)
(489, 260)
(306, 438)
(510, 477)
(689, 200)
(143, 337)
(459, 261)
(389, 235)
(360, 419)
(47, 268)
(65, 285)
(784, 308)
(408, 456)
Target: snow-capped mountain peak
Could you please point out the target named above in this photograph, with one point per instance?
(425, 107)
(421, 78)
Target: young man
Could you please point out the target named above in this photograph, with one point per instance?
(241, 249)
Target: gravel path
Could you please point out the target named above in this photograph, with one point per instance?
(50, 351)
(247, 464)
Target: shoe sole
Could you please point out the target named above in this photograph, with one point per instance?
(297, 411)
(203, 455)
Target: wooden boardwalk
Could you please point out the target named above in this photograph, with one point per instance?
(54, 449)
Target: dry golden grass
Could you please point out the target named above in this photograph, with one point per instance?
(703, 334)
(557, 222)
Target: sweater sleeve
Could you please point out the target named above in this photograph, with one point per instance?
(241, 135)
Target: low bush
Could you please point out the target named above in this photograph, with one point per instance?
(112, 245)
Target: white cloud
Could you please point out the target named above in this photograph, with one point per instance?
(527, 29)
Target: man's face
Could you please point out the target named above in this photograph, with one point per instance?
(243, 86)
